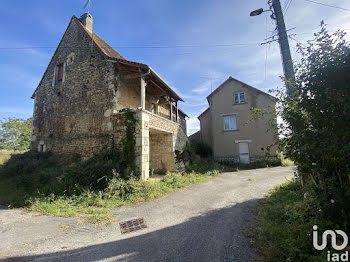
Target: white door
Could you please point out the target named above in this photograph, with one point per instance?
(244, 153)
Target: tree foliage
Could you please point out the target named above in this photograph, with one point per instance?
(15, 133)
(316, 122)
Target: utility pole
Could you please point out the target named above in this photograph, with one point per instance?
(287, 62)
(284, 47)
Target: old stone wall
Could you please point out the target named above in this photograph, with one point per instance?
(179, 135)
(161, 153)
(74, 115)
(80, 113)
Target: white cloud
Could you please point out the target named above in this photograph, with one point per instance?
(192, 126)
(247, 63)
(203, 88)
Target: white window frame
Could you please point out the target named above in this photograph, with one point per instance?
(239, 98)
(229, 128)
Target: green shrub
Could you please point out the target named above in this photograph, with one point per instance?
(128, 164)
(202, 149)
(92, 174)
(34, 174)
(205, 166)
(174, 180)
(284, 221)
(316, 121)
(236, 166)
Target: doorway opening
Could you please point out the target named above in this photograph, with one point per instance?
(161, 152)
(244, 153)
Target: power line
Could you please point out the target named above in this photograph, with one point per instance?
(285, 11)
(133, 47)
(285, 5)
(265, 69)
(291, 37)
(328, 5)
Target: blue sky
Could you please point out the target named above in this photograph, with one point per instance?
(218, 38)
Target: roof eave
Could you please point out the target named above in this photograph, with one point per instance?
(234, 79)
(203, 113)
(166, 84)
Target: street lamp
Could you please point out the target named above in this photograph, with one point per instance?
(257, 12)
(287, 63)
(260, 11)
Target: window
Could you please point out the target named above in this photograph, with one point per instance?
(59, 73)
(236, 99)
(239, 98)
(230, 123)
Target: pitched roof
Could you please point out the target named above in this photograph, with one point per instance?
(246, 85)
(105, 48)
(206, 110)
(110, 53)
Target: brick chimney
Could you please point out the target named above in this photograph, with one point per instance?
(86, 20)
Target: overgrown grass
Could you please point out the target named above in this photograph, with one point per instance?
(285, 161)
(6, 154)
(228, 166)
(94, 207)
(283, 229)
(65, 186)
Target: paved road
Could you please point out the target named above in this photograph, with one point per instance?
(204, 222)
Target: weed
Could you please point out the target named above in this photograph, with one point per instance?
(63, 227)
(283, 229)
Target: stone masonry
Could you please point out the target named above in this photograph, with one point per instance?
(78, 102)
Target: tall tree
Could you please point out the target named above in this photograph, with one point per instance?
(15, 133)
(316, 130)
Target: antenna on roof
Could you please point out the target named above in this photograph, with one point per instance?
(87, 5)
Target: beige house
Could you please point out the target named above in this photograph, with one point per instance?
(227, 125)
(79, 102)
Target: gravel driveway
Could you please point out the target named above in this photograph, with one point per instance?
(204, 222)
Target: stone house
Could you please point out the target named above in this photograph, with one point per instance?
(227, 125)
(79, 100)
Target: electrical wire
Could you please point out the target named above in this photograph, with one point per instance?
(328, 5)
(265, 69)
(133, 47)
(286, 10)
(296, 40)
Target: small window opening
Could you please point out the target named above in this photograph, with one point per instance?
(41, 148)
(59, 73)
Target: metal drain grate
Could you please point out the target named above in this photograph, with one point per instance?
(132, 225)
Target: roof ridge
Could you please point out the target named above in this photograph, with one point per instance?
(104, 47)
(107, 51)
(234, 79)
